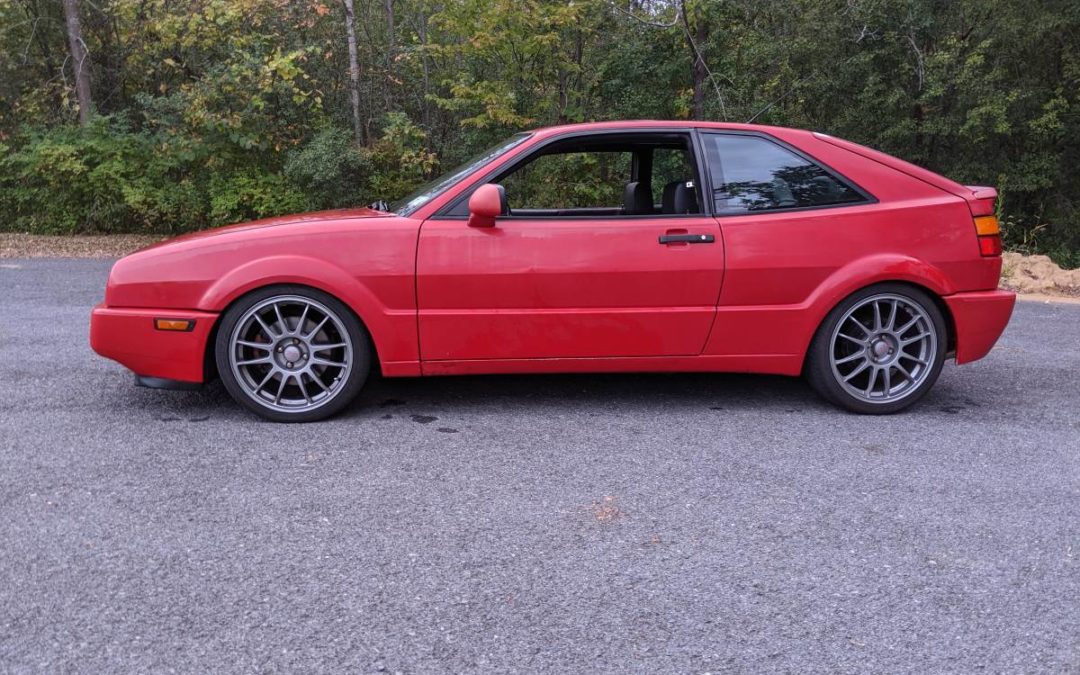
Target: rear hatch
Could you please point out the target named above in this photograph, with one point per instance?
(981, 200)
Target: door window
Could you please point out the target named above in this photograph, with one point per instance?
(607, 175)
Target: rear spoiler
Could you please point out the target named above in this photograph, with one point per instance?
(980, 199)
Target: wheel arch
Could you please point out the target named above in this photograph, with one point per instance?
(938, 300)
(874, 271)
(231, 299)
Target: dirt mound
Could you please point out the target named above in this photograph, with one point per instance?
(1038, 274)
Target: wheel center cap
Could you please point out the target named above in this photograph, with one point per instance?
(880, 349)
(292, 353)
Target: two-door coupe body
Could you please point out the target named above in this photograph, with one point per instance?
(620, 246)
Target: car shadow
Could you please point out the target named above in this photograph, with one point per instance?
(701, 391)
(381, 396)
(641, 393)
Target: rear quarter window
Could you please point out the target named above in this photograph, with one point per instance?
(752, 173)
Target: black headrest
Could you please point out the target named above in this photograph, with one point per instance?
(680, 197)
(637, 198)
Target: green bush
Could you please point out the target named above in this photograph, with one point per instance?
(104, 178)
(400, 159)
(111, 177)
(330, 169)
(71, 180)
(251, 193)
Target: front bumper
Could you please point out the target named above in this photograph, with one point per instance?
(980, 318)
(128, 337)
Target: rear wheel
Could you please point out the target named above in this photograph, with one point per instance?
(292, 354)
(879, 351)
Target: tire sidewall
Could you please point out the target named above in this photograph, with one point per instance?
(819, 364)
(361, 349)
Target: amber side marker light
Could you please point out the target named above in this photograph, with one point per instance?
(182, 325)
(989, 231)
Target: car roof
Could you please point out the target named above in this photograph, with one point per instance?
(544, 132)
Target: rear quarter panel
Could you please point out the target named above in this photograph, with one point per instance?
(785, 271)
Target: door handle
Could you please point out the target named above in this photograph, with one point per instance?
(687, 239)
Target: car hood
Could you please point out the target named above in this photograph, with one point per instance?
(180, 273)
(314, 216)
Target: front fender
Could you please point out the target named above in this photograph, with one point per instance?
(393, 331)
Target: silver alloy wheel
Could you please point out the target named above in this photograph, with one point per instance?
(883, 348)
(290, 353)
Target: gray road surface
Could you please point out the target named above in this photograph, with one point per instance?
(685, 523)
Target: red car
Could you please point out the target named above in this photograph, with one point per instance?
(619, 246)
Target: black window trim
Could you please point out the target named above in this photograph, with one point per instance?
(867, 197)
(705, 193)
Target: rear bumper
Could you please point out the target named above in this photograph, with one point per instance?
(980, 318)
(128, 337)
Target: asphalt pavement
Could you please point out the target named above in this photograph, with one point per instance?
(562, 524)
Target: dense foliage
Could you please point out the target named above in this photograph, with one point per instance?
(212, 111)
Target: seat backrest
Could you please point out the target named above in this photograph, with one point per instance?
(783, 197)
(680, 197)
(637, 198)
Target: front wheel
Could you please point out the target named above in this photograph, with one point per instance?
(292, 354)
(879, 351)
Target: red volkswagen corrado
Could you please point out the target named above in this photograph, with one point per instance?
(622, 246)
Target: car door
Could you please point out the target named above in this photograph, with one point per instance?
(571, 271)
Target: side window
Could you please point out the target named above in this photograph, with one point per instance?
(750, 173)
(569, 181)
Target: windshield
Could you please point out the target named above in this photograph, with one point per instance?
(407, 205)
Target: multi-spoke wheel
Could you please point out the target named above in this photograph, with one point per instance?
(879, 351)
(292, 354)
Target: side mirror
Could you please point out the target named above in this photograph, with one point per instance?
(487, 203)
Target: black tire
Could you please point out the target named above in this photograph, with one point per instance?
(825, 378)
(342, 391)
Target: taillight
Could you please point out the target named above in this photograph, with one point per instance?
(989, 232)
(990, 245)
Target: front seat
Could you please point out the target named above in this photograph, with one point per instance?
(680, 197)
(637, 199)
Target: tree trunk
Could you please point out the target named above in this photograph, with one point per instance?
(698, 71)
(79, 62)
(354, 72)
(425, 104)
(390, 30)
